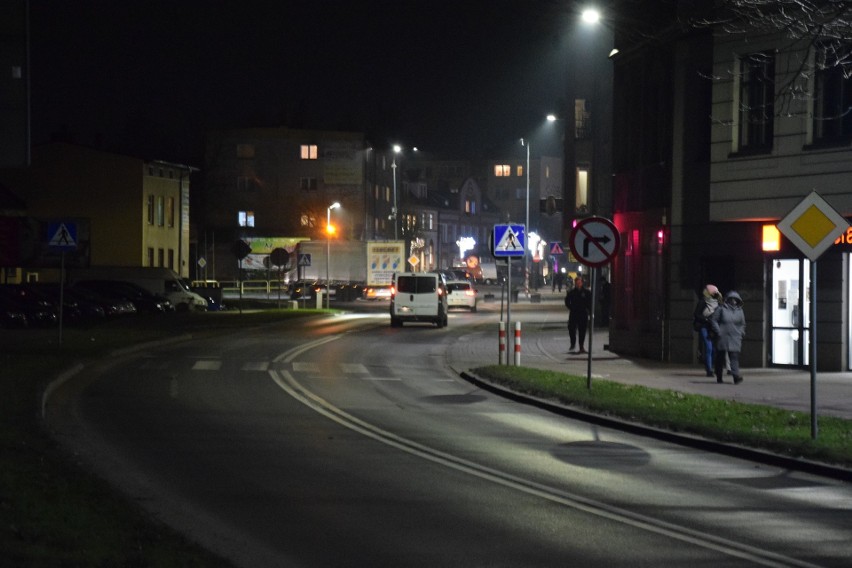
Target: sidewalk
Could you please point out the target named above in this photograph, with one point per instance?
(544, 345)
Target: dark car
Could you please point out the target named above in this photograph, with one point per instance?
(12, 315)
(113, 307)
(76, 308)
(39, 312)
(142, 299)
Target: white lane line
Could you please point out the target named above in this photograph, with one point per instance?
(288, 383)
(354, 368)
(256, 366)
(207, 365)
(306, 367)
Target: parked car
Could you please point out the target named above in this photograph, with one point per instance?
(142, 299)
(461, 294)
(75, 309)
(113, 307)
(39, 312)
(12, 315)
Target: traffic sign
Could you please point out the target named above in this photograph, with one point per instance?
(62, 235)
(304, 259)
(509, 241)
(556, 248)
(594, 241)
(813, 225)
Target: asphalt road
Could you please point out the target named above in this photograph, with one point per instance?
(345, 442)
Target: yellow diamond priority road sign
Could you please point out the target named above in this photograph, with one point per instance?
(813, 225)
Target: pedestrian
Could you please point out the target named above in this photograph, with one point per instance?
(578, 300)
(728, 325)
(707, 304)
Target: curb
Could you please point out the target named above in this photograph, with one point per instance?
(688, 440)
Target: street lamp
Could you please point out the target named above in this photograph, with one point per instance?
(396, 150)
(527, 222)
(329, 230)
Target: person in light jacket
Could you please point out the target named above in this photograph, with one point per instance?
(707, 304)
(728, 326)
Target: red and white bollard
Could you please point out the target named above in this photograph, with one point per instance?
(502, 339)
(517, 343)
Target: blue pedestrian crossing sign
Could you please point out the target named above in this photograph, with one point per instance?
(304, 259)
(62, 236)
(509, 241)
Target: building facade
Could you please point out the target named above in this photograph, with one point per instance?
(126, 211)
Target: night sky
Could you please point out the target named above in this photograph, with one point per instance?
(461, 78)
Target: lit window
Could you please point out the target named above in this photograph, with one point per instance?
(582, 193)
(245, 218)
(309, 152)
(502, 170)
(306, 220)
(520, 171)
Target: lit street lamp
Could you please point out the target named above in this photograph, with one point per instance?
(396, 150)
(329, 230)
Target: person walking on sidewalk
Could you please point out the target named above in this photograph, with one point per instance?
(707, 304)
(728, 326)
(578, 300)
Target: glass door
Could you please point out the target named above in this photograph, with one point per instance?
(790, 311)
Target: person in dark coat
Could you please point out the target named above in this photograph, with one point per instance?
(707, 304)
(728, 326)
(578, 300)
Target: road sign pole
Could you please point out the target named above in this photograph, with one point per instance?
(591, 334)
(813, 350)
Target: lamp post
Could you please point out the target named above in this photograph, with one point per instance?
(328, 232)
(527, 223)
(396, 150)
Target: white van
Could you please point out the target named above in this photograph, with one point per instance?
(162, 281)
(418, 296)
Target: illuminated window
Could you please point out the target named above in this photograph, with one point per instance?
(306, 220)
(520, 170)
(582, 194)
(246, 218)
(309, 152)
(502, 170)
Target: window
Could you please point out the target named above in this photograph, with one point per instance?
(755, 102)
(150, 256)
(161, 213)
(582, 120)
(309, 151)
(502, 170)
(245, 183)
(582, 192)
(150, 209)
(832, 99)
(245, 218)
(161, 257)
(470, 206)
(520, 171)
(170, 211)
(308, 184)
(171, 259)
(245, 150)
(306, 220)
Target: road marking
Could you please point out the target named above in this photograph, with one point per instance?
(207, 365)
(291, 386)
(306, 367)
(354, 368)
(256, 366)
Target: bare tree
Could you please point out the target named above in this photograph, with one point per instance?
(816, 39)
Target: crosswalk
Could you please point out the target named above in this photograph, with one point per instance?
(305, 369)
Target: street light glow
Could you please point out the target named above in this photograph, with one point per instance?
(551, 118)
(591, 16)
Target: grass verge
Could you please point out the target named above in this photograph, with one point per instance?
(780, 431)
(52, 511)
